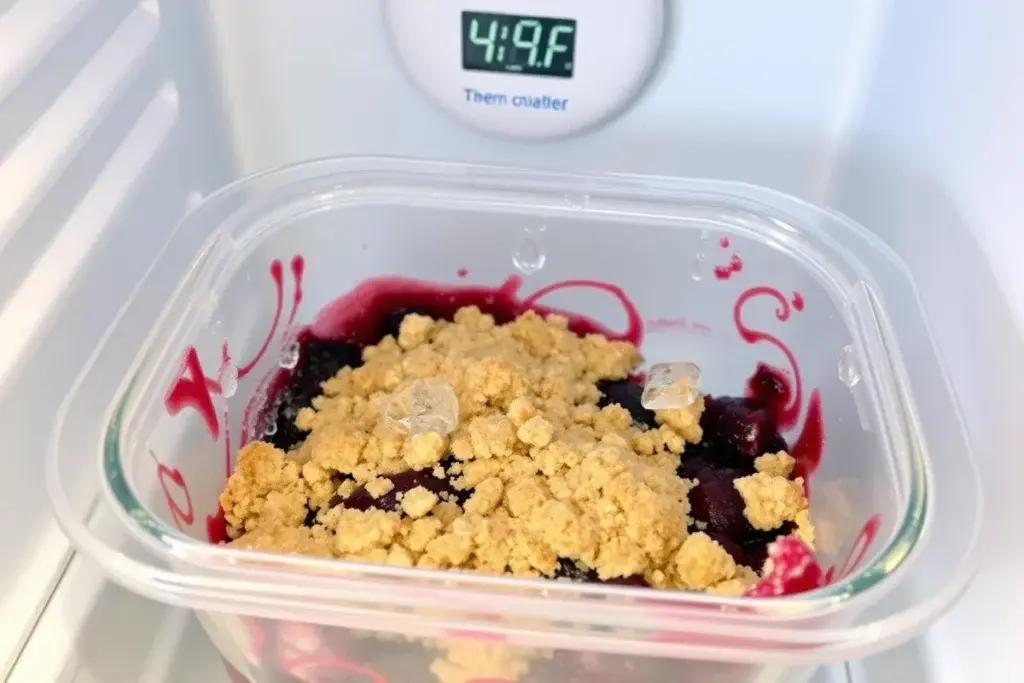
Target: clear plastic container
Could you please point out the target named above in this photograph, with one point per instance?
(722, 274)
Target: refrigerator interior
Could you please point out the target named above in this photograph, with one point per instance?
(117, 115)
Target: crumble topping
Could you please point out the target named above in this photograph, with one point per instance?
(534, 473)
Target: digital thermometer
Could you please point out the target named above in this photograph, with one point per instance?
(528, 68)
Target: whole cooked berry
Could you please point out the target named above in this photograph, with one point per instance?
(739, 428)
(716, 502)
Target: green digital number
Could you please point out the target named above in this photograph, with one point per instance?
(554, 44)
(487, 41)
(533, 44)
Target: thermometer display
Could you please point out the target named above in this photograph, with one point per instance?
(537, 46)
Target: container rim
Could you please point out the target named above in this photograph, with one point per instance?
(172, 544)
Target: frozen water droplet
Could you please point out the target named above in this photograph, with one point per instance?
(531, 256)
(705, 235)
(289, 356)
(228, 378)
(848, 373)
(671, 385)
(699, 266)
(426, 405)
(270, 429)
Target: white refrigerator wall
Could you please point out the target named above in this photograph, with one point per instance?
(744, 90)
(907, 115)
(935, 164)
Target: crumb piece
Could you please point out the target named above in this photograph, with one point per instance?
(684, 421)
(804, 528)
(736, 586)
(414, 330)
(358, 532)
(701, 562)
(467, 660)
(491, 436)
(776, 464)
(485, 498)
(438, 472)
(306, 419)
(418, 502)
(421, 532)
(400, 557)
(769, 500)
(315, 541)
(447, 511)
(379, 486)
(672, 441)
(337, 446)
(612, 419)
(347, 488)
(265, 488)
(644, 443)
(520, 410)
(448, 550)
(425, 450)
(536, 432)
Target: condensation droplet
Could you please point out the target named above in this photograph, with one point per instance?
(270, 429)
(531, 256)
(228, 378)
(577, 202)
(426, 405)
(700, 265)
(848, 373)
(671, 385)
(289, 356)
(193, 199)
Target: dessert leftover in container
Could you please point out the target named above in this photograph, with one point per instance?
(732, 278)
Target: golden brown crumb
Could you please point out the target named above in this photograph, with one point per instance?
(778, 464)
(702, 563)
(288, 539)
(418, 502)
(771, 500)
(414, 330)
(744, 578)
(486, 496)
(467, 660)
(804, 528)
(379, 486)
(536, 432)
(425, 450)
(264, 489)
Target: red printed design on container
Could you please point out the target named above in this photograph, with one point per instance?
(173, 486)
(193, 389)
(787, 401)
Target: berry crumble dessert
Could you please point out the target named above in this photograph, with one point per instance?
(512, 445)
